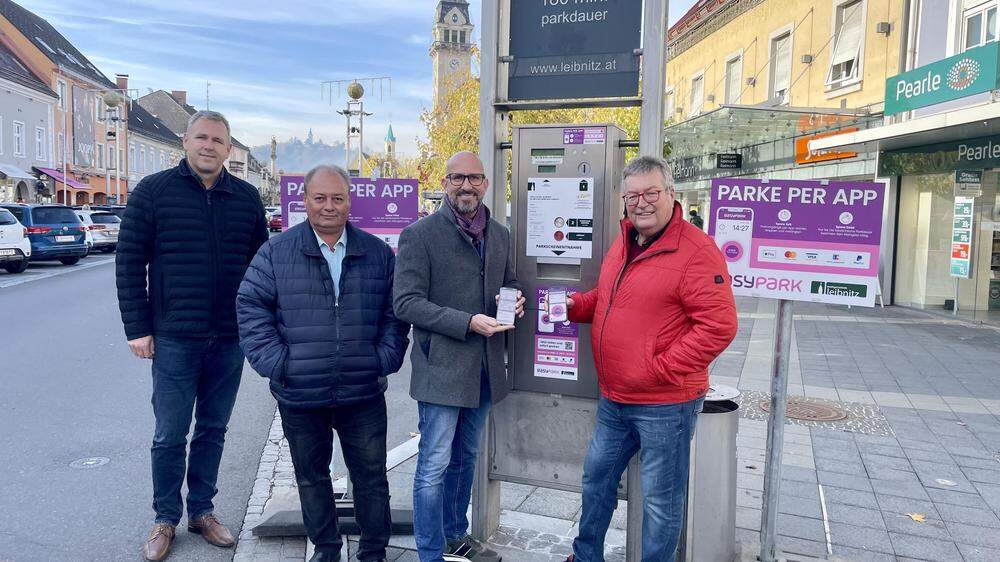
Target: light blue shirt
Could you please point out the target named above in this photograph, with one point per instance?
(334, 258)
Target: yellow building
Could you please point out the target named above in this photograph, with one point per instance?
(761, 78)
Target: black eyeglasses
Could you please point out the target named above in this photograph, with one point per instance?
(475, 180)
(651, 196)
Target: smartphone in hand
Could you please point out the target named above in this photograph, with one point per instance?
(507, 306)
(557, 306)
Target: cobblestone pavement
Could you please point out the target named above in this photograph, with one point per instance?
(913, 473)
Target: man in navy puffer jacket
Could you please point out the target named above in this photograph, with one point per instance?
(315, 317)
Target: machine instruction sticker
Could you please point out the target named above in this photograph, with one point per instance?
(584, 136)
(560, 218)
(557, 346)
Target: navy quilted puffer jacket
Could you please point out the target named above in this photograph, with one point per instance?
(318, 350)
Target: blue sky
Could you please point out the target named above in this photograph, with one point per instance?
(265, 59)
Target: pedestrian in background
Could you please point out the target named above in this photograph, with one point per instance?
(187, 236)
(449, 271)
(695, 219)
(662, 310)
(315, 314)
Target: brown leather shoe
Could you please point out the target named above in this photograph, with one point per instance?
(212, 529)
(157, 546)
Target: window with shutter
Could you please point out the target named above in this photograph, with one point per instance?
(849, 34)
(781, 67)
(734, 75)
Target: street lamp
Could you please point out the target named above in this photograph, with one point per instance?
(113, 100)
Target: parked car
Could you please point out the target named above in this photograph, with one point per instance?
(102, 229)
(55, 231)
(274, 224)
(117, 210)
(15, 248)
(272, 210)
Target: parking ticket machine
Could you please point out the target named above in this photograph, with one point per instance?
(565, 213)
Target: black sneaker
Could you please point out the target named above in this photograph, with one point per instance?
(472, 549)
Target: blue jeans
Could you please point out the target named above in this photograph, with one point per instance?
(662, 435)
(446, 464)
(199, 376)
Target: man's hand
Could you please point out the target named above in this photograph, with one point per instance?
(143, 347)
(569, 302)
(486, 326)
(518, 307)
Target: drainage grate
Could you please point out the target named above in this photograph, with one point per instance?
(809, 411)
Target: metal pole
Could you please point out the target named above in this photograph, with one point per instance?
(654, 76)
(954, 309)
(361, 138)
(776, 428)
(65, 158)
(486, 492)
(118, 156)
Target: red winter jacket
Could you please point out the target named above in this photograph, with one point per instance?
(659, 321)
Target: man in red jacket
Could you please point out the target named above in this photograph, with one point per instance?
(662, 310)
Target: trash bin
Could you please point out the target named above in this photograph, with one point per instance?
(709, 531)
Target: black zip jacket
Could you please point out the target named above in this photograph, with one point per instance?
(182, 252)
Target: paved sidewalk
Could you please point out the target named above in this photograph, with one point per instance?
(913, 473)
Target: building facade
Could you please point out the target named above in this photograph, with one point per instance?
(81, 119)
(152, 147)
(932, 134)
(451, 49)
(756, 80)
(26, 114)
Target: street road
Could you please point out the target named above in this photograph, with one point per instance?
(72, 391)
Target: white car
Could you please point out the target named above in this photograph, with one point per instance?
(15, 247)
(102, 229)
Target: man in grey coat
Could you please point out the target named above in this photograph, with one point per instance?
(449, 271)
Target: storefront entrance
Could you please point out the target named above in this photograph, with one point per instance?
(924, 245)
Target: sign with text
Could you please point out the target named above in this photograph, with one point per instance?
(961, 238)
(970, 72)
(729, 161)
(805, 156)
(800, 240)
(83, 127)
(945, 157)
(565, 49)
(383, 206)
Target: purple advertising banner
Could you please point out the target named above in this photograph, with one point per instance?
(383, 207)
(800, 240)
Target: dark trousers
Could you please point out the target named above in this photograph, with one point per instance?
(199, 376)
(362, 431)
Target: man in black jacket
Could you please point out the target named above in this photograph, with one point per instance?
(187, 237)
(315, 314)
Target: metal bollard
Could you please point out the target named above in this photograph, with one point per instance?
(709, 531)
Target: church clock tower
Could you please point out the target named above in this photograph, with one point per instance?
(451, 51)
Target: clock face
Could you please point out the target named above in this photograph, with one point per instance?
(453, 64)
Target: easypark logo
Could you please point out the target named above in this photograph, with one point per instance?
(769, 283)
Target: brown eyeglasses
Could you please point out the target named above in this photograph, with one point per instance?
(651, 196)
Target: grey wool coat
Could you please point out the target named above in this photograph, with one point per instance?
(440, 283)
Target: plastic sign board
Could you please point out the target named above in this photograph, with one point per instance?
(962, 75)
(800, 240)
(729, 161)
(805, 156)
(383, 206)
(568, 49)
(961, 238)
(560, 220)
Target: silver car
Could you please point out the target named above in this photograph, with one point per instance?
(102, 229)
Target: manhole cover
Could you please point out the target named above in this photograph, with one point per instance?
(89, 462)
(809, 411)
